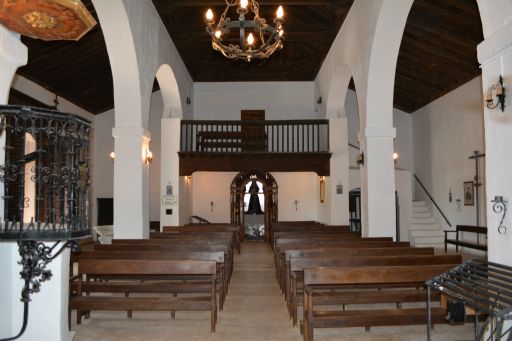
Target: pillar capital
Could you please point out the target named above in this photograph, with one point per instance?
(11, 48)
(138, 132)
(494, 45)
(378, 132)
(13, 54)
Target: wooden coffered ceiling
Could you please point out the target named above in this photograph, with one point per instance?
(310, 28)
(438, 52)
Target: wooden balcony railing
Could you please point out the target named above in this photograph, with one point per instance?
(284, 136)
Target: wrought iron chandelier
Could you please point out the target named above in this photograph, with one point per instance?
(270, 38)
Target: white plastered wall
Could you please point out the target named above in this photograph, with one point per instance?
(280, 100)
(446, 132)
(495, 56)
(214, 187)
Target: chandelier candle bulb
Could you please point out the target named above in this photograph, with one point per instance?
(250, 39)
(244, 3)
(209, 15)
(280, 12)
(218, 34)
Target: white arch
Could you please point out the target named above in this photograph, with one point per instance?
(120, 45)
(383, 58)
(338, 92)
(170, 92)
(494, 15)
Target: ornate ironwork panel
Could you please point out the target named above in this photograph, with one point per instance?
(45, 174)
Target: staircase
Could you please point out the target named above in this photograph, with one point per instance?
(424, 230)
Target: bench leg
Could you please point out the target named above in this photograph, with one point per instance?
(213, 311)
(78, 317)
(173, 312)
(129, 312)
(308, 317)
(367, 329)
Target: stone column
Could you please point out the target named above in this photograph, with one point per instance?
(495, 56)
(339, 165)
(131, 183)
(169, 175)
(378, 182)
(13, 54)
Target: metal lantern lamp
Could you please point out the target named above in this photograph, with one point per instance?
(45, 176)
(496, 95)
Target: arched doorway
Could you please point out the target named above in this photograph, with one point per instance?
(268, 191)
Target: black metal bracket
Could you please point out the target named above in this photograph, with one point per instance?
(35, 256)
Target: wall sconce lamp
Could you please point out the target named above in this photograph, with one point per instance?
(496, 95)
(211, 206)
(360, 159)
(112, 156)
(396, 157)
(148, 157)
(500, 205)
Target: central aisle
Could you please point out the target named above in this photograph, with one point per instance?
(255, 310)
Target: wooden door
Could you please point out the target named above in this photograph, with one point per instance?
(253, 131)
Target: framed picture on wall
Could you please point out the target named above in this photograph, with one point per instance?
(469, 193)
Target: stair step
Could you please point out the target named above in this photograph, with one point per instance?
(434, 227)
(422, 214)
(420, 209)
(424, 220)
(435, 246)
(419, 204)
(429, 240)
(426, 233)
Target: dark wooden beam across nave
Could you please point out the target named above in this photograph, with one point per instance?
(191, 162)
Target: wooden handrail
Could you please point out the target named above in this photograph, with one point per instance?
(433, 201)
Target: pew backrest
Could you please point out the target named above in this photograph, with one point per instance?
(373, 274)
(143, 267)
(299, 264)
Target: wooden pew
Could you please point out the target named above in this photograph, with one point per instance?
(198, 235)
(348, 252)
(353, 276)
(217, 256)
(313, 235)
(131, 267)
(303, 227)
(235, 229)
(279, 253)
(297, 266)
(167, 247)
(464, 243)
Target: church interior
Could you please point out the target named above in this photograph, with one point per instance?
(255, 170)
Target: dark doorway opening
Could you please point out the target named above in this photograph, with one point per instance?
(248, 190)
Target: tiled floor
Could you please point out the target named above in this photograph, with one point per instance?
(254, 310)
